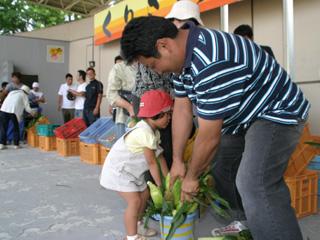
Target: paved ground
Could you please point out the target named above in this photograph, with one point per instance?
(44, 196)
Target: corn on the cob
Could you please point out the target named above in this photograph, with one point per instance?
(156, 195)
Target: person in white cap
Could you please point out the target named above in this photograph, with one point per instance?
(35, 96)
(184, 11)
(12, 110)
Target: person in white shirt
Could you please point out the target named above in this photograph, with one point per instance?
(66, 100)
(12, 110)
(35, 96)
(80, 93)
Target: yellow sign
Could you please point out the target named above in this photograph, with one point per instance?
(109, 23)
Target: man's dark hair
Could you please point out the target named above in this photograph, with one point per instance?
(82, 74)
(244, 31)
(140, 35)
(4, 84)
(17, 75)
(69, 75)
(92, 69)
(117, 58)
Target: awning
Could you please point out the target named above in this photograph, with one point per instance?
(81, 7)
(109, 23)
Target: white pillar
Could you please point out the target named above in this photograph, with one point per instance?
(224, 18)
(288, 33)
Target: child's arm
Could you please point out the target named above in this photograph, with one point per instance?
(152, 162)
(163, 165)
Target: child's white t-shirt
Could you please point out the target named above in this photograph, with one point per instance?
(142, 137)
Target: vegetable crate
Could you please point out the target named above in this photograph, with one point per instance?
(68, 147)
(103, 153)
(47, 143)
(71, 129)
(302, 155)
(99, 127)
(303, 192)
(90, 153)
(32, 138)
(184, 232)
(46, 130)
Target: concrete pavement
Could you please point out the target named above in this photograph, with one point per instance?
(45, 196)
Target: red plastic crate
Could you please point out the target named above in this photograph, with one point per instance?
(71, 129)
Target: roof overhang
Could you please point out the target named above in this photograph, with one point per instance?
(82, 7)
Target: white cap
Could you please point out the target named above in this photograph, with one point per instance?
(185, 9)
(26, 89)
(35, 85)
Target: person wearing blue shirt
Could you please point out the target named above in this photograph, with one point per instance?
(250, 115)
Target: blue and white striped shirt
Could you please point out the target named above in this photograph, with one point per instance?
(231, 78)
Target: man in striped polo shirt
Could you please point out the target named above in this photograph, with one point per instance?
(250, 115)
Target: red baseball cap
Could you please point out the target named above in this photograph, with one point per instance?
(154, 102)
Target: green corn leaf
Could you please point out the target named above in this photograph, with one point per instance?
(218, 210)
(177, 220)
(176, 192)
(162, 178)
(215, 196)
(167, 180)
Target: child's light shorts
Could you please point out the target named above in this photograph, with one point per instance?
(123, 181)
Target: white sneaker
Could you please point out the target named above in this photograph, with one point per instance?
(137, 238)
(146, 232)
(233, 228)
(16, 147)
(2, 147)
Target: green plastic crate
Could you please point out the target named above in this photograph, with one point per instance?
(46, 130)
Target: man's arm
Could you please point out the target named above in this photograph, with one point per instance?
(27, 106)
(181, 129)
(59, 102)
(75, 93)
(204, 148)
(97, 107)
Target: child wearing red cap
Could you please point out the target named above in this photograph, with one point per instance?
(134, 154)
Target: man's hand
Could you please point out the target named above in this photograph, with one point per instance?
(189, 189)
(178, 170)
(131, 111)
(34, 114)
(72, 91)
(96, 111)
(110, 109)
(59, 108)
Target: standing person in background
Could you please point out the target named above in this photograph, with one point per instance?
(65, 102)
(80, 94)
(121, 82)
(246, 31)
(94, 91)
(15, 83)
(12, 110)
(35, 96)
